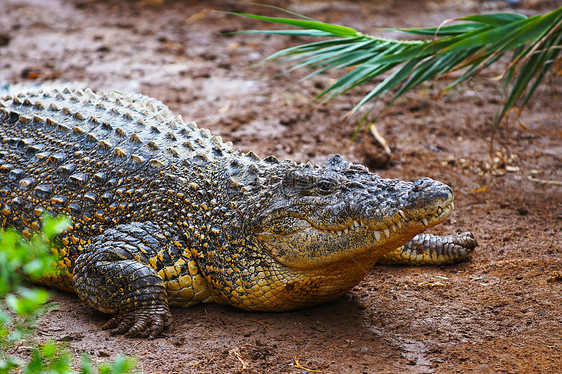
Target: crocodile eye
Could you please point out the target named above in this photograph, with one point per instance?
(326, 185)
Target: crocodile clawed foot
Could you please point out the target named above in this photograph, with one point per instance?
(145, 322)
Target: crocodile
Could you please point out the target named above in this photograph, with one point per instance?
(165, 214)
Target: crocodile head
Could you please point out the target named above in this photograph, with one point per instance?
(324, 227)
(321, 216)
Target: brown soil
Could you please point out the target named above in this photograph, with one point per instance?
(499, 312)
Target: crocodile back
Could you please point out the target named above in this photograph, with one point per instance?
(102, 159)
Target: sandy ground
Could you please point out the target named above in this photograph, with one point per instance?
(499, 312)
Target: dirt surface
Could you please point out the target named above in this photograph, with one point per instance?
(499, 312)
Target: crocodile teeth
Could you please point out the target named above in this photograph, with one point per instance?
(356, 224)
(399, 224)
(425, 222)
(346, 230)
(402, 213)
(452, 206)
(339, 232)
(387, 232)
(439, 210)
(378, 235)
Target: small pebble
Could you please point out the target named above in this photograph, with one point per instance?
(522, 210)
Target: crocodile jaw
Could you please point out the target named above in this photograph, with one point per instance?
(310, 247)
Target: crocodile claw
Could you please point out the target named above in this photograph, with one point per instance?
(141, 323)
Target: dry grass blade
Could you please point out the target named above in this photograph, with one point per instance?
(299, 366)
(471, 46)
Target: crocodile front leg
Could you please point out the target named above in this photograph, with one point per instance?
(118, 274)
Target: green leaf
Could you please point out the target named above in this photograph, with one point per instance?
(316, 33)
(301, 50)
(451, 30)
(335, 30)
(121, 365)
(49, 349)
(35, 266)
(485, 38)
(33, 257)
(480, 41)
(62, 363)
(406, 53)
(4, 318)
(390, 82)
(30, 300)
(55, 226)
(36, 363)
(532, 30)
(494, 19)
(86, 364)
(10, 364)
(548, 59)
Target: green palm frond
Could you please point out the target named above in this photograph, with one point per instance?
(472, 46)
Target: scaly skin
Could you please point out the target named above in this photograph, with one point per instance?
(428, 249)
(166, 215)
